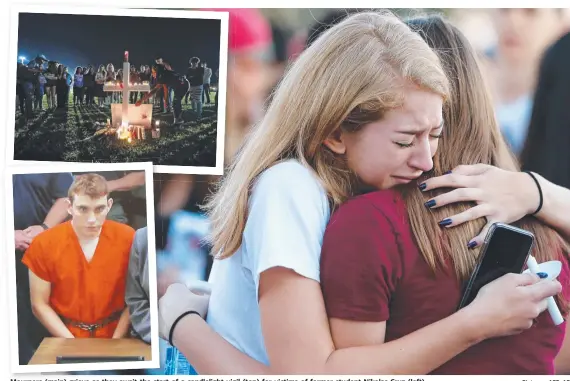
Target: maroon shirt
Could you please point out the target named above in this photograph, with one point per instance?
(372, 270)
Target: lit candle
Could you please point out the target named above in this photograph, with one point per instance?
(126, 56)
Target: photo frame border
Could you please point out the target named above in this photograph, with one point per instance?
(223, 16)
(16, 368)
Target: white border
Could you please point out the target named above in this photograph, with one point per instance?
(118, 11)
(82, 167)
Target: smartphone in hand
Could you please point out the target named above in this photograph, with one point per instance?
(505, 250)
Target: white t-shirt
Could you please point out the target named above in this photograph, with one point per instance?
(287, 216)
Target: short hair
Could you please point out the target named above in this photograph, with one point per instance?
(195, 60)
(89, 184)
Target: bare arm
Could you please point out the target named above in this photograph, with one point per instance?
(502, 196)
(298, 340)
(210, 353)
(123, 326)
(58, 213)
(40, 291)
(555, 207)
(127, 182)
(148, 95)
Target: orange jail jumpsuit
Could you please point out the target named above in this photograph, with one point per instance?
(84, 292)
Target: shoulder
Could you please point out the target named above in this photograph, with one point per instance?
(290, 185)
(52, 239)
(379, 206)
(120, 230)
(374, 220)
(290, 175)
(54, 234)
(141, 239)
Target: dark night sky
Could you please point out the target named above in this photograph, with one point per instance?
(87, 39)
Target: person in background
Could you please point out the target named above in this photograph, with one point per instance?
(167, 80)
(546, 148)
(40, 203)
(51, 77)
(195, 74)
(60, 259)
(29, 81)
(207, 79)
(100, 78)
(40, 91)
(61, 87)
(523, 36)
(137, 296)
(78, 86)
(89, 85)
(144, 76)
(111, 77)
(134, 77)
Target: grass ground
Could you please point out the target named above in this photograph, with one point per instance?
(64, 135)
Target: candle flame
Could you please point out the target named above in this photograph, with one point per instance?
(123, 131)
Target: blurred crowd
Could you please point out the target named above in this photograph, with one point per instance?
(525, 54)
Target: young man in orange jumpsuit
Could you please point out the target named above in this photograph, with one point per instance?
(78, 269)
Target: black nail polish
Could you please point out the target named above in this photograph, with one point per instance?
(445, 222)
(422, 186)
(542, 275)
(447, 173)
(430, 204)
(472, 245)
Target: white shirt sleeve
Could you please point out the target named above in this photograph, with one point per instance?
(288, 213)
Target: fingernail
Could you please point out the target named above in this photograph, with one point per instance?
(542, 275)
(447, 173)
(422, 186)
(472, 245)
(430, 203)
(445, 222)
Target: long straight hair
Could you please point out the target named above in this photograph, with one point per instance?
(471, 136)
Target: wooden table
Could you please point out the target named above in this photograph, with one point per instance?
(52, 347)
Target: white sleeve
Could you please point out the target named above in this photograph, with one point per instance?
(288, 213)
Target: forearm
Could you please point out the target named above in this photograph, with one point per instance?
(209, 353)
(556, 204)
(435, 345)
(127, 182)
(419, 352)
(51, 320)
(123, 326)
(57, 214)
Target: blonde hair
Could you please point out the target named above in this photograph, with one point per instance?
(91, 184)
(347, 78)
